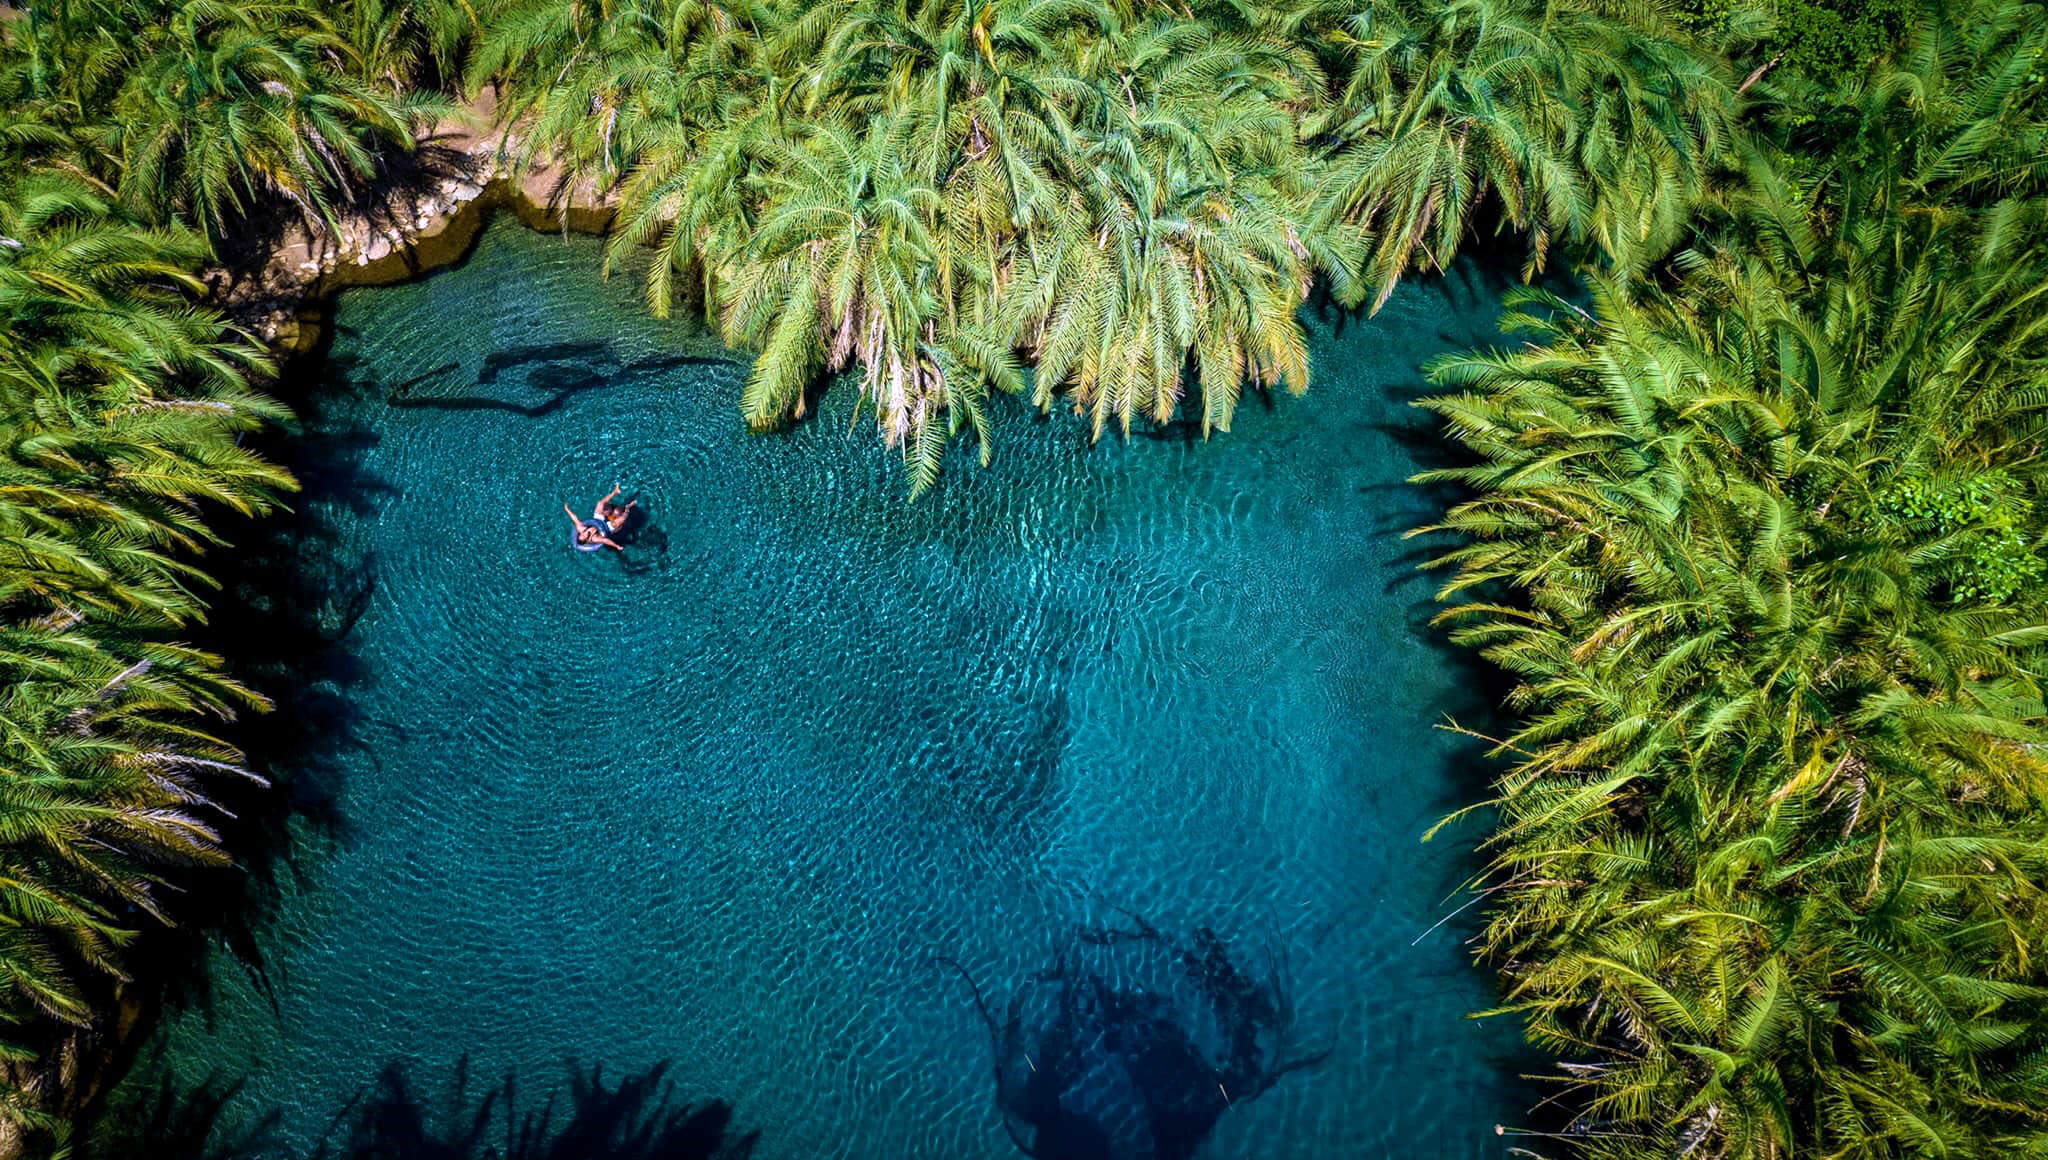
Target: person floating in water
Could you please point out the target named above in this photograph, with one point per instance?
(612, 515)
(591, 535)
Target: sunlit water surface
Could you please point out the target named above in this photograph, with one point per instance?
(750, 799)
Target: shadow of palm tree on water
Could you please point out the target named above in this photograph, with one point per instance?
(560, 371)
(1132, 1044)
(637, 1118)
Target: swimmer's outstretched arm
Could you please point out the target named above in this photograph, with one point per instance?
(573, 517)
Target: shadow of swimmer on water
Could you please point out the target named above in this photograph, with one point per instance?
(1132, 1045)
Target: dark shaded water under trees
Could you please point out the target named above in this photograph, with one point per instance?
(1074, 809)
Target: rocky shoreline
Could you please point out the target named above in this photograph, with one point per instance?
(468, 165)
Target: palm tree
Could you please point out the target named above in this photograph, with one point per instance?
(1114, 192)
(841, 271)
(104, 788)
(603, 84)
(406, 45)
(124, 405)
(1184, 238)
(203, 107)
(1132, 278)
(1770, 861)
(1579, 127)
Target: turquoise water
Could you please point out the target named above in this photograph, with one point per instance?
(1137, 741)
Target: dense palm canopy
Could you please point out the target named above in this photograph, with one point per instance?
(1132, 196)
(202, 110)
(122, 405)
(1762, 550)
(929, 192)
(1775, 822)
(1753, 520)
(1575, 127)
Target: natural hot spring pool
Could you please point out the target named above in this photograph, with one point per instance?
(1138, 740)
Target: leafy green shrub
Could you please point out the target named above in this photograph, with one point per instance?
(1821, 38)
(1986, 515)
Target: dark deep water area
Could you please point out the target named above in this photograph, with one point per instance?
(1075, 808)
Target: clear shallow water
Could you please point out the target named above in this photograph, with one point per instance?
(750, 799)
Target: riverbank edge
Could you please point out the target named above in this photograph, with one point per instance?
(405, 231)
(466, 166)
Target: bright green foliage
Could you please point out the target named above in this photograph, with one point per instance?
(122, 405)
(1131, 195)
(199, 110)
(1980, 523)
(1578, 127)
(1824, 39)
(1761, 550)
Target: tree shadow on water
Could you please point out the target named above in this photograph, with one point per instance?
(558, 371)
(586, 1118)
(1132, 1045)
(292, 588)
